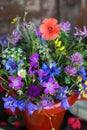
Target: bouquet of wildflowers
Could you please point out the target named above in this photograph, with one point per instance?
(43, 65)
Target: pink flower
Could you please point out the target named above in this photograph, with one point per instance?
(49, 28)
(74, 122)
(50, 86)
(16, 82)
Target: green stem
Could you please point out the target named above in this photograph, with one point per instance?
(59, 58)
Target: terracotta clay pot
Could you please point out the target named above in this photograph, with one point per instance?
(47, 118)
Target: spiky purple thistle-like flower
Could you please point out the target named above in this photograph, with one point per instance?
(70, 70)
(34, 91)
(65, 26)
(76, 58)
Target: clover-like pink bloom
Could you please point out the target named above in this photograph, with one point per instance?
(16, 82)
(50, 86)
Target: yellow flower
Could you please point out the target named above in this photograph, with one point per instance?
(85, 83)
(80, 85)
(84, 95)
(58, 43)
(62, 48)
(64, 52)
(79, 79)
(14, 20)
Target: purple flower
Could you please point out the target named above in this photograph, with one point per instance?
(32, 71)
(4, 41)
(41, 73)
(15, 37)
(32, 107)
(25, 24)
(50, 86)
(79, 33)
(70, 70)
(76, 58)
(34, 60)
(65, 26)
(46, 101)
(10, 102)
(38, 34)
(16, 82)
(34, 91)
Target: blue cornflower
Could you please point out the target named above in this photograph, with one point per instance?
(32, 107)
(10, 102)
(4, 41)
(21, 105)
(10, 65)
(51, 69)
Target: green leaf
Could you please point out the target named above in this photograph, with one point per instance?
(67, 80)
(85, 63)
(11, 119)
(84, 53)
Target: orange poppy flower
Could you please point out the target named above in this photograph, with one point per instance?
(49, 28)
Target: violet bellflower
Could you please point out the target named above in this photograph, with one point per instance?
(10, 102)
(65, 104)
(32, 107)
(16, 82)
(50, 86)
(21, 105)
